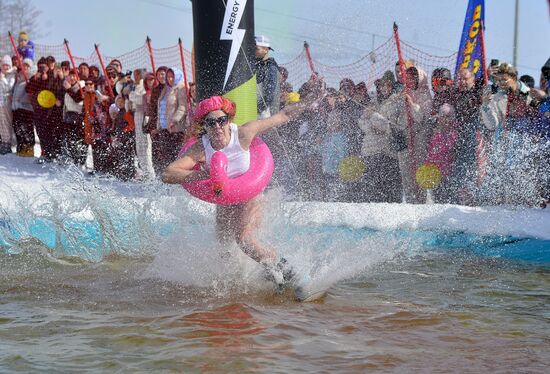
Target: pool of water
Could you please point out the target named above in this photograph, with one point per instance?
(98, 280)
(427, 312)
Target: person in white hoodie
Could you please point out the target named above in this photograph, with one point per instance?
(73, 119)
(23, 123)
(169, 134)
(382, 178)
(7, 81)
(137, 105)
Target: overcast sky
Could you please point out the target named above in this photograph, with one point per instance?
(339, 31)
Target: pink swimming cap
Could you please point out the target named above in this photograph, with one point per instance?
(214, 103)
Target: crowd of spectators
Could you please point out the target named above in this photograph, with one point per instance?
(133, 121)
(490, 143)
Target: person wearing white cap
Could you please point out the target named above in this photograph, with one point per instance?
(268, 95)
(7, 80)
(23, 112)
(267, 78)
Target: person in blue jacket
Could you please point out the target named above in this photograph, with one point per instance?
(26, 46)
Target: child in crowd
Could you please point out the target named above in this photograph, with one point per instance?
(441, 149)
(26, 46)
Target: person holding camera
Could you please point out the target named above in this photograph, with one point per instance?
(73, 119)
(97, 104)
(56, 126)
(414, 98)
(512, 120)
(382, 178)
(123, 141)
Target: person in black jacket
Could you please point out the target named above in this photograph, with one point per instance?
(268, 96)
(267, 78)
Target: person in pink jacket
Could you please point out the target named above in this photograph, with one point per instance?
(441, 152)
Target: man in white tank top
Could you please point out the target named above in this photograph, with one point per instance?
(218, 133)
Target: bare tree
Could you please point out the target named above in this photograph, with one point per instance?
(20, 15)
(17, 16)
(23, 16)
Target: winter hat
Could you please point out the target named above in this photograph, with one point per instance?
(214, 103)
(545, 70)
(95, 68)
(387, 77)
(528, 80)
(6, 60)
(113, 110)
(28, 62)
(406, 63)
(442, 73)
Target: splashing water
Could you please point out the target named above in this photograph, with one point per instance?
(75, 219)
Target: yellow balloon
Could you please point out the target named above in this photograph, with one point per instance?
(351, 168)
(293, 97)
(46, 99)
(428, 176)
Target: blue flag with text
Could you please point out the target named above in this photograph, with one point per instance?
(470, 53)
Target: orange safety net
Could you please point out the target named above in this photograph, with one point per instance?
(367, 69)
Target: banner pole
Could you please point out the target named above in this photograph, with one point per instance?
(483, 58)
(309, 59)
(111, 93)
(152, 58)
(406, 90)
(187, 94)
(68, 50)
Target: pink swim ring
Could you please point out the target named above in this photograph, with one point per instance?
(219, 188)
(222, 190)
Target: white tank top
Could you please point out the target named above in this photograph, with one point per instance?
(238, 160)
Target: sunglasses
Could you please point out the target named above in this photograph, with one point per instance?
(441, 82)
(89, 83)
(212, 122)
(23, 40)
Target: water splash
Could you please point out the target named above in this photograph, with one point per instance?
(74, 219)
